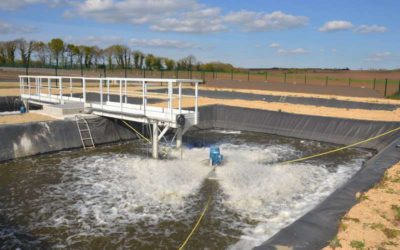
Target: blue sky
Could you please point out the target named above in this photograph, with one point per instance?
(285, 33)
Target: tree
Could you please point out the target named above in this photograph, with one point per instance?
(138, 59)
(87, 55)
(70, 51)
(10, 48)
(149, 61)
(169, 63)
(41, 50)
(109, 53)
(56, 46)
(3, 55)
(25, 49)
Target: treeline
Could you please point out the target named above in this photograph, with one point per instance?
(59, 54)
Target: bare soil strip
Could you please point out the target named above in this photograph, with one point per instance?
(374, 223)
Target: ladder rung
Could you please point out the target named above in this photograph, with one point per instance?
(84, 130)
(86, 138)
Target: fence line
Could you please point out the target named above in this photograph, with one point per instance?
(385, 86)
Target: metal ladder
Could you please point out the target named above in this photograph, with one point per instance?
(84, 132)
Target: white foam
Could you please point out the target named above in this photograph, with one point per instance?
(101, 194)
(109, 191)
(273, 195)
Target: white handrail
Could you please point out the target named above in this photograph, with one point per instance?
(58, 93)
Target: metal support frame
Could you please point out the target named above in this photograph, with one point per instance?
(155, 140)
(31, 89)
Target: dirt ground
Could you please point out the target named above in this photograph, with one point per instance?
(373, 115)
(374, 223)
(24, 118)
(296, 88)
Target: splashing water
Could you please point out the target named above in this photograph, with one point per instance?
(123, 200)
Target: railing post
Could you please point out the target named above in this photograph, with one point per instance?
(266, 76)
(373, 86)
(326, 81)
(196, 109)
(101, 94)
(61, 90)
(49, 87)
(231, 74)
(120, 94)
(349, 81)
(180, 98)
(126, 92)
(70, 87)
(144, 97)
(284, 77)
(84, 89)
(29, 86)
(305, 78)
(248, 75)
(108, 90)
(170, 99)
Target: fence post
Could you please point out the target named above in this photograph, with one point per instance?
(326, 81)
(266, 76)
(248, 75)
(386, 82)
(349, 81)
(305, 78)
(284, 77)
(374, 83)
(231, 74)
(398, 90)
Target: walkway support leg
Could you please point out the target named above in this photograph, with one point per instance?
(179, 134)
(155, 140)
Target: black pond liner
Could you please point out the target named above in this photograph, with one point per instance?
(317, 227)
(10, 103)
(313, 230)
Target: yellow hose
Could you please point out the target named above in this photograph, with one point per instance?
(197, 223)
(286, 162)
(137, 132)
(341, 148)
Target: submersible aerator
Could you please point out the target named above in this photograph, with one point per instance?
(215, 156)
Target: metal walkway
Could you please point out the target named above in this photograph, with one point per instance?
(133, 99)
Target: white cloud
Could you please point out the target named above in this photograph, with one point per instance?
(274, 45)
(379, 56)
(336, 26)
(365, 29)
(7, 28)
(260, 21)
(159, 43)
(17, 4)
(297, 51)
(199, 21)
(101, 41)
(186, 16)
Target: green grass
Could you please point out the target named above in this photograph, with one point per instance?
(391, 233)
(334, 243)
(357, 244)
(396, 210)
(352, 219)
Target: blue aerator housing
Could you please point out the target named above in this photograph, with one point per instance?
(215, 156)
